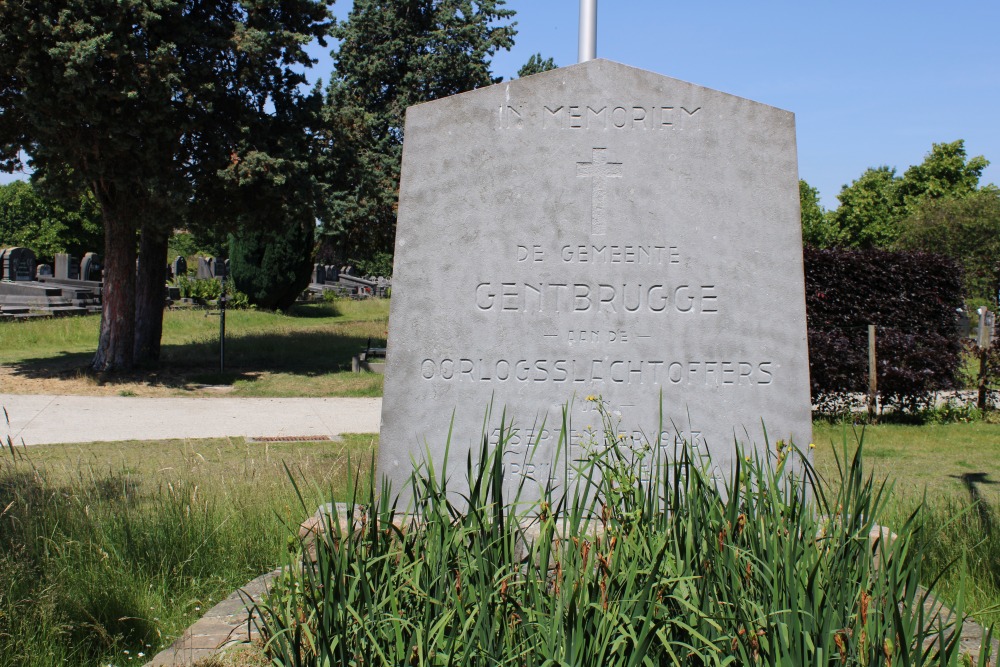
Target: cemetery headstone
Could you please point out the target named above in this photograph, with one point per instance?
(90, 266)
(67, 267)
(318, 274)
(604, 232)
(19, 265)
(206, 268)
(332, 273)
(179, 267)
(43, 271)
(3, 263)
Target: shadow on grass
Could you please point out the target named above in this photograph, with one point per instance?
(972, 482)
(316, 310)
(303, 353)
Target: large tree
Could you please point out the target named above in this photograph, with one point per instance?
(946, 173)
(966, 229)
(393, 54)
(818, 228)
(869, 209)
(47, 226)
(146, 102)
(872, 207)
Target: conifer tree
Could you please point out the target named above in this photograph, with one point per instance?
(394, 54)
(145, 103)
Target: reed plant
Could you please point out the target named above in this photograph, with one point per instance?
(764, 566)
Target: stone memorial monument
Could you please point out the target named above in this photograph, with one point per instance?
(179, 267)
(595, 231)
(90, 267)
(19, 265)
(67, 267)
(206, 268)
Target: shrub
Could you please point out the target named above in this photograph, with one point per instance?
(378, 265)
(912, 298)
(210, 289)
(273, 266)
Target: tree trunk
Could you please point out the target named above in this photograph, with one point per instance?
(116, 343)
(150, 280)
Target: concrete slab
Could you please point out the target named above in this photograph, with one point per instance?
(40, 420)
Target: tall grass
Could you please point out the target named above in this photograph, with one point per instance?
(766, 567)
(948, 471)
(968, 536)
(107, 563)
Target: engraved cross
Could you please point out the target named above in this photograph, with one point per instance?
(598, 171)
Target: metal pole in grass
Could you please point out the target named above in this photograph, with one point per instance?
(984, 338)
(872, 375)
(221, 267)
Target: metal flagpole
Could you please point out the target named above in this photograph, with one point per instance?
(588, 30)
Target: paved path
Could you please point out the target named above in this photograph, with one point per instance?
(230, 623)
(42, 420)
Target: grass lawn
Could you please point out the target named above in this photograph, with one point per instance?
(109, 547)
(112, 549)
(946, 460)
(953, 466)
(305, 353)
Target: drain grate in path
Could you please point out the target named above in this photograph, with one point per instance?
(288, 438)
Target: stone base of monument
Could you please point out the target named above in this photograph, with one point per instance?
(371, 360)
(33, 299)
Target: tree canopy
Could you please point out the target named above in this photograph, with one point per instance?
(966, 229)
(145, 103)
(818, 229)
(869, 209)
(872, 206)
(536, 65)
(47, 226)
(393, 55)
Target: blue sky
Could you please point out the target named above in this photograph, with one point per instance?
(870, 83)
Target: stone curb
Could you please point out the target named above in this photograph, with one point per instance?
(228, 623)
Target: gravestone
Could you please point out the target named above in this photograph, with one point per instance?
(318, 274)
(179, 267)
(206, 268)
(90, 266)
(19, 265)
(603, 232)
(67, 267)
(3, 264)
(43, 271)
